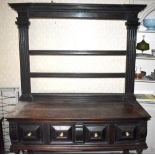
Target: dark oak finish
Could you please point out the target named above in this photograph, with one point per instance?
(131, 56)
(75, 148)
(78, 110)
(78, 125)
(77, 122)
(139, 151)
(77, 75)
(126, 151)
(88, 97)
(79, 11)
(23, 25)
(74, 52)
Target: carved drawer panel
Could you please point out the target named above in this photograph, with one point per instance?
(61, 133)
(30, 133)
(48, 133)
(125, 132)
(95, 133)
(141, 131)
(13, 129)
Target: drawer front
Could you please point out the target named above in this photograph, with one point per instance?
(126, 132)
(61, 134)
(96, 133)
(13, 131)
(142, 131)
(42, 133)
(131, 132)
(31, 133)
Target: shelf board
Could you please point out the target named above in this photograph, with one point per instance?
(146, 98)
(146, 31)
(145, 79)
(76, 75)
(145, 56)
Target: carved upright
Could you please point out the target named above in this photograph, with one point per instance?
(23, 26)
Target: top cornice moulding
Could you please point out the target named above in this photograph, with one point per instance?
(78, 10)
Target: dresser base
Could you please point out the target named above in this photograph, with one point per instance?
(57, 126)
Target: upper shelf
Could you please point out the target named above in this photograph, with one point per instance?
(145, 56)
(77, 10)
(145, 79)
(145, 31)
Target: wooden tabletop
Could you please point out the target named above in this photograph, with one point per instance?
(77, 111)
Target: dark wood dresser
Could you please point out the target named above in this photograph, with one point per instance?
(77, 122)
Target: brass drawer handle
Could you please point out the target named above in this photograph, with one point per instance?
(29, 134)
(61, 134)
(95, 135)
(127, 133)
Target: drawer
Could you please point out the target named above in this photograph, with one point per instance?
(30, 133)
(96, 133)
(125, 132)
(61, 133)
(13, 131)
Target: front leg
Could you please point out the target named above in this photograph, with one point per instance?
(126, 151)
(139, 151)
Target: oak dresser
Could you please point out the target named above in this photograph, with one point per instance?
(77, 122)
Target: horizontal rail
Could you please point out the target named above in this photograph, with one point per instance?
(75, 96)
(77, 75)
(76, 52)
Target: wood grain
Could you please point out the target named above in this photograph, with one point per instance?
(77, 110)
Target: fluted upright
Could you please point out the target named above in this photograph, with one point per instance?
(23, 26)
(130, 57)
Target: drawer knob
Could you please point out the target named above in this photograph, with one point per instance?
(61, 134)
(29, 134)
(127, 133)
(95, 135)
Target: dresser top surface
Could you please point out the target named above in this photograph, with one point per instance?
(77, 111)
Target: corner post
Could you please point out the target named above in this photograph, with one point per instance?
(132, 25)
(23, 26)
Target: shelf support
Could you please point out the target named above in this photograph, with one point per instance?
(23, 26)
(132, 26)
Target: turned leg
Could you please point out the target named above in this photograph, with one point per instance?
(126, 151)
(14, 151)
(139, 151)
(17, 152)
(30, 152)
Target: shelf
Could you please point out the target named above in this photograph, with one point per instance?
(77, 75)
(145, 79)
(146, 31)
(77, 52)
(145, 98)
(145, 56)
